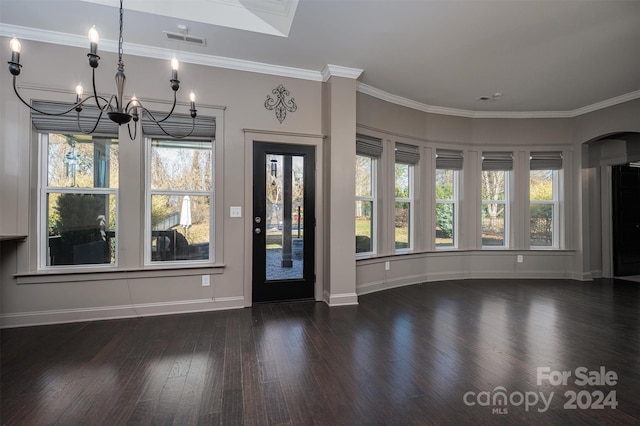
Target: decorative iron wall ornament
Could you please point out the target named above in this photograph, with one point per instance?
(280, 104)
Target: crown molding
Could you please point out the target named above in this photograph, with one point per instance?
(409, 103)
(74, 40)
(399, 100)
(339, 71)
(607, 103)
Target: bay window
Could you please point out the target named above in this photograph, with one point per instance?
(448, 165)
(494, 180)
(544, 198)
(406, 157)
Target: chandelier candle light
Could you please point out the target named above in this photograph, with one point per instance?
(115, 108)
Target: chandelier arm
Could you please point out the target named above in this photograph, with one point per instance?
(150, 114)
(15, 89)
(95, 126)
(96, 96)
(135, 131)
(193, 126)
(116, 110)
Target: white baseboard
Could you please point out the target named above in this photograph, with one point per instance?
(340, 299)
(596, 274)
(23, 319)
(375, 286)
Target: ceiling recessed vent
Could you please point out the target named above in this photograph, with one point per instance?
(493, 97)
(186, 38)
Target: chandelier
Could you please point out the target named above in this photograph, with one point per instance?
(114, 107)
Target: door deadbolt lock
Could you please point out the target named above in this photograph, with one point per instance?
(258, 219)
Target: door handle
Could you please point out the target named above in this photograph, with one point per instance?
(257, 231)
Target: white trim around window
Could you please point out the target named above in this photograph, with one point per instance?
(504, 204)
(362, 201)
(552, 242)
(453, 201)
(92, 243)
(409, 241)
(169, 241)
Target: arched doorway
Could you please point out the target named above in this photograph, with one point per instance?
(613, 203)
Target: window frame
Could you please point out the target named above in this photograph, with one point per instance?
(507, 210)
(455, 200)
(42, 209)
(374, 209)
(411, 201)
(149, 193)
(555, 214)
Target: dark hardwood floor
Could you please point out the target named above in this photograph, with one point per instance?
(421, 354)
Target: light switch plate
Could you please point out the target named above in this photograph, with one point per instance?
(235, 211)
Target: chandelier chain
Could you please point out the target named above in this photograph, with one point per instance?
(120, 40)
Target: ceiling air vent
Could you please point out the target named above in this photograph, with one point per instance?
(493, 97)
(186, 38)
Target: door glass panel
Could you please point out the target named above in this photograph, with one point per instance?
(284, 217)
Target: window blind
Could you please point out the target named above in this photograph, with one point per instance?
(546, 160)
(179, 125)
(368, 146)
(68, 123)
(407, 154)
(494, 160)
(449, 159)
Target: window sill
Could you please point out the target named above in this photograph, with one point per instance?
(20, 238)
(93, 274)
(361, 256)
(453, 251)
(403, 252)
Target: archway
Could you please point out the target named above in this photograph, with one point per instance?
(600, 155)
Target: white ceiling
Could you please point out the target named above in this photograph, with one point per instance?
(547, 58)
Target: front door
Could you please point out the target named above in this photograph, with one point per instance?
(283, 222)
(626, 220)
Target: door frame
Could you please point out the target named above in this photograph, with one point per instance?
(606, 205)
(315, 140)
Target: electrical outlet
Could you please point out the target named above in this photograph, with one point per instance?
(235, 211)
(206, 282)
(520, 258)
(387, 266)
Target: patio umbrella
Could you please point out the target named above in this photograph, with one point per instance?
(185, 212)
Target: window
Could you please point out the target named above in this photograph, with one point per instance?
(406, 157)
(180, 200)
(494, 180)
(543, 198)
(368, 150)
(448, 165)
(79, 204)
(404, 201)
(365, 202)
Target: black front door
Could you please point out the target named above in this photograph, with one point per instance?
(283, 222)
(626, 220)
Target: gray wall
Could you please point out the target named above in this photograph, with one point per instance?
(29, 296)
(581, 247)
(237, 99)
